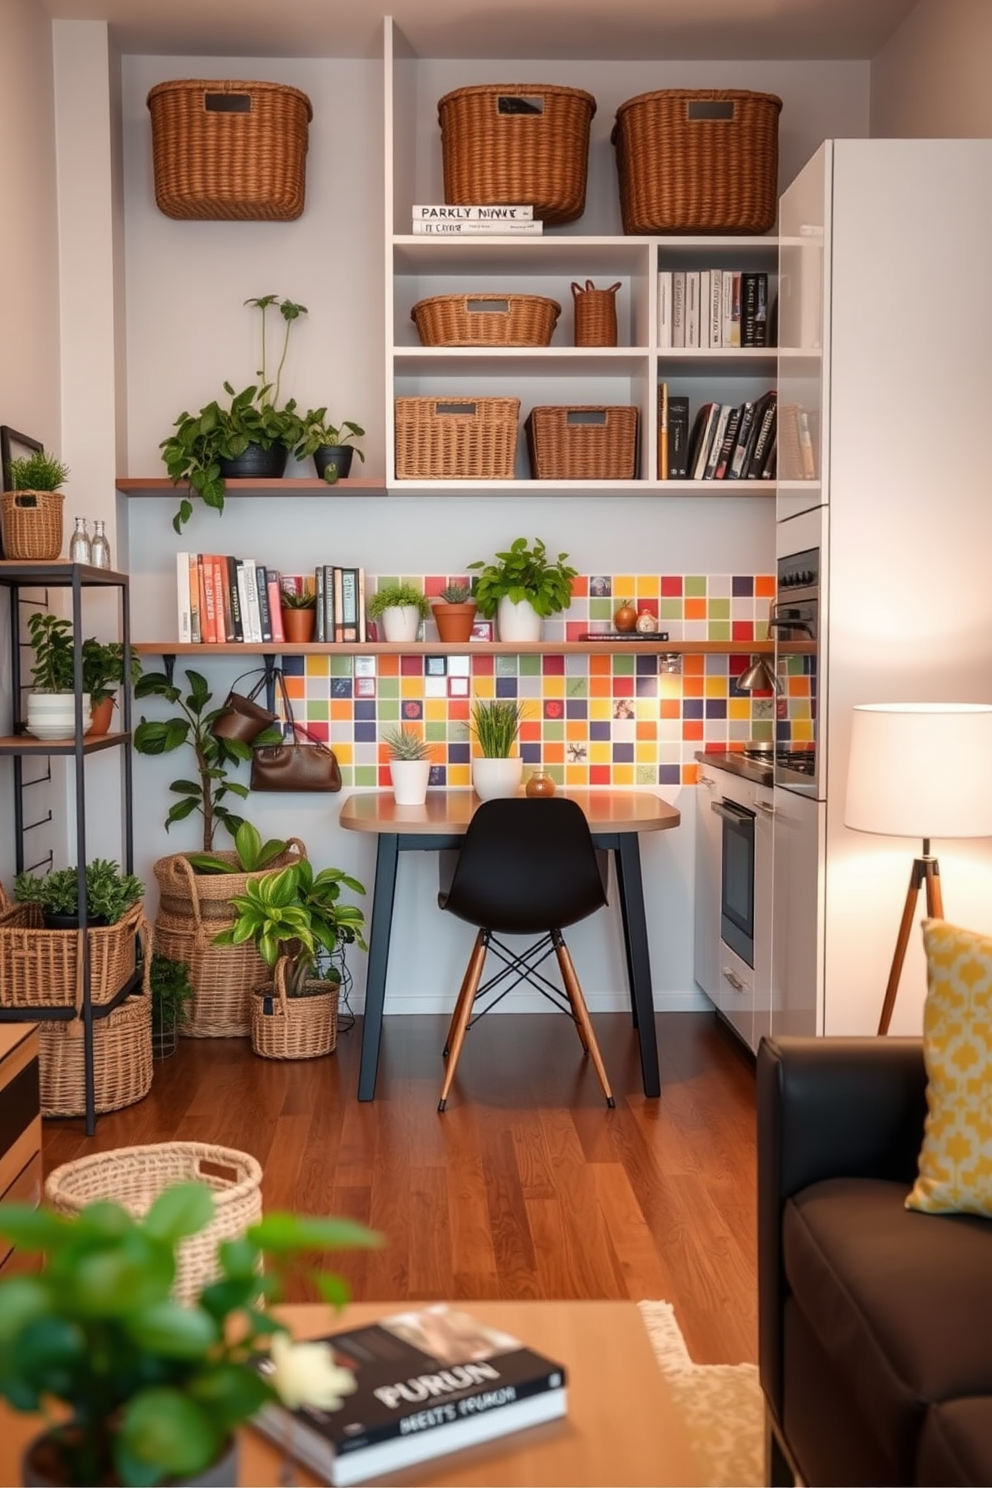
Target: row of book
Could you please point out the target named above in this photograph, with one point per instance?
(723, 442)
(713, 308)
(223, 599)
(439, 219)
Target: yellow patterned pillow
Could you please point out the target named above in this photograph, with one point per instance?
(955, 1171)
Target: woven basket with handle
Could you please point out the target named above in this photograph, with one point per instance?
(44, 968)
(285, 1027)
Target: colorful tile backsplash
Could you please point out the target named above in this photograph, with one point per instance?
(591, 719)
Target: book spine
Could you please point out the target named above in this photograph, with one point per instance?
(443, 212)
(275, 605)
(754, 309)
(737, 460)
(716, 441)
(735, 310)
(692, 308)
(349, 604)
(319, 631)
(504, 227)
(239, 597)
(729, 440)
(222, 572)
(678, 437)
(678, 307)
(765, 431)
(264, 613)
(705, 420)
(716, 307)
(705, 278)
(209, 599)
(663, 431)
(363, 624)
(195, 600)
(339, 605)
(329, 613)
(665, 308)
(250, 610)
(182, 598)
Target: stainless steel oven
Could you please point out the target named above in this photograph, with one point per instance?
(794, 624)
(737, 878)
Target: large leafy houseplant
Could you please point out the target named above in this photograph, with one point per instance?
(154, 1389)
(524, 571)
(200, 441)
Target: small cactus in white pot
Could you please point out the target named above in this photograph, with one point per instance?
(409, 765)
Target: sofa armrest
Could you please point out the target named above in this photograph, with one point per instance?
(827, 1108)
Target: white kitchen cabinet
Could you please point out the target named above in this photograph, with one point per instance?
(898, 396)
(706, 903)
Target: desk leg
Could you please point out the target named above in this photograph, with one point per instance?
(387, 854)
(635, 939)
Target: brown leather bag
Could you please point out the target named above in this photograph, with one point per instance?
(242, 717)
(292, 765)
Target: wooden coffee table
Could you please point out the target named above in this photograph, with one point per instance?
(622, 1427)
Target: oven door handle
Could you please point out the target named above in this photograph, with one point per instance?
(791, 620)
(739, 815)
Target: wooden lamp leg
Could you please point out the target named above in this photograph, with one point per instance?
(926, 870)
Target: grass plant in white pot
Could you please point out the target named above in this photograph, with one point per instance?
(496, 769)
(409, 765)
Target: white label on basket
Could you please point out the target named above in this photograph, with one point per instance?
(227, 103)
(586, 416)
(710, 109)
(512, 103)
(487, 307)
(440, 408)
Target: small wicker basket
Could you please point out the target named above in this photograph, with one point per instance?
(229, 150)
(697, 160)
(122, 1061)
(582, 442)
(43, 968)
(294, 1027)
(135, 1176)
(456, 438)
(486, 320)
(525, 143)
(595, 314)
(31, 522)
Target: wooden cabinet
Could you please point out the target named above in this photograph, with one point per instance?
(20, 1125)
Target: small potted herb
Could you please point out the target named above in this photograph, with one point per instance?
(522, 587)
(103, 673)
(401, 606)
(299, 614)
(409, 765)
(496, 770)
(454, 612)
(39, 471)
(329, 445)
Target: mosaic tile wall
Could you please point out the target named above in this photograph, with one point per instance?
(599, 719)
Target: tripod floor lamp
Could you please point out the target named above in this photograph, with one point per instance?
(919, 770)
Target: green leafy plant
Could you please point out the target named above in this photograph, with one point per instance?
(524, 572)
(293, 915)
(154, 1389)
(199, 441)
(496, 725)
(51, 641)
(39, 471)
(103, 668)
(319, 433)
(395, 596)
(456, 594)
(110, 893)
(251, 853)
(171, 990)
(215, 758)
(293, 599)
(406, 744)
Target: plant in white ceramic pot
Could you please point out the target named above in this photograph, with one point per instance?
(496, 769)
(52, 699)
(409, 765)
(522, 587)
(401, 606)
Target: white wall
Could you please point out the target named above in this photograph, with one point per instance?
(932, 77)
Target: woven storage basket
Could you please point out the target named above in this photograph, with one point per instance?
(225, 150)
(595, 314)
(122, 1060)
(31, 522)
(42, 968)
(522, 143)
(184, 894)
(582, 442)
(698, 161)
(294, 1027)
(135, 1176)
(456, 438)
(486, 320)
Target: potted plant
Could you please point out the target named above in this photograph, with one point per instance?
(454, 612)
(109, 893)
(409, 765)
(522, 587)
(299, 614)
(401, 606)
(496, 770)
(171, 994)
(293, 917)
(329, 445)
(38, 471)
(103, 673)
(52, 699)
(154, 1390)
(252, 436)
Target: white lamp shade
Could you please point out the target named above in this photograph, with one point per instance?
(921, 770)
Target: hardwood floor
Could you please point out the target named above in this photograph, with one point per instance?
(527, 1186)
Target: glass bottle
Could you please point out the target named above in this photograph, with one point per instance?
(540, 784)
(99, 547)
(79, 547)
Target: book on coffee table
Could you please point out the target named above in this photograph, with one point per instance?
(429, 1382)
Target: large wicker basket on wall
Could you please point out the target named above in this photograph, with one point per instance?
(698, 161)
(229, 149)
(193, 908)
(525, 143)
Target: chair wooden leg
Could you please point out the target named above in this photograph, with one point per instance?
(582, 1018)
(463, 1011)
(456, 1013)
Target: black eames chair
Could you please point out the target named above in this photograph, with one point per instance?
(527, 867)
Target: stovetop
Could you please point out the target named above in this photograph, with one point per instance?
(757, 761)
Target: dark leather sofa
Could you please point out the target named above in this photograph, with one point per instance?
(875, 1322)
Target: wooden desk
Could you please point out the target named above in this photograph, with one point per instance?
(615, 819)
(622, 1426)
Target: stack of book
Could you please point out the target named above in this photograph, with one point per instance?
(733, 441)
(713, 308)
(223, 600)
(340, 603)
(510, 220)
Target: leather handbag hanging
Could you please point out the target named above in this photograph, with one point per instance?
(294, 765)
(242, 717)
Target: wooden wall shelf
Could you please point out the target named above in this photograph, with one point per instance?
(456, 648)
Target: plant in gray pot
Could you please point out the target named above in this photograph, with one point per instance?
(109, 893)
(329, 445)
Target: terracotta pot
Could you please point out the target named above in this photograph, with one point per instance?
(101, 713)
(454, 621)
(299, 625)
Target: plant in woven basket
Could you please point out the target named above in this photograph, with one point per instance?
(496, 724)
(153, 1389)
(39, 471)
(524, 571)
(294, 915)
(255, 416)
(250, 853)
(215, 757)
(406, 744)
(110, 893)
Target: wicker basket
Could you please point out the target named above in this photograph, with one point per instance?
(456, 438)
(294, 1027)
(186, 895)
(595, 314)
(225, 150)
(42, 968)
(135, 1176)
(32, 524)
(122, 1061)
(582, 442)
(486, 320)
(522, 143)
(695, 160)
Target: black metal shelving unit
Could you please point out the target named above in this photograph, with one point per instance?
(16, 575)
